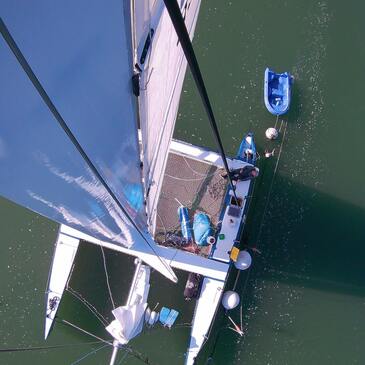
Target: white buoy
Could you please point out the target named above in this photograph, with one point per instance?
(230, 300)
(151, 317)
(243, 261)
(271, 133)
(147, 315)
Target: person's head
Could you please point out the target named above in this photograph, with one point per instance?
(254, 172)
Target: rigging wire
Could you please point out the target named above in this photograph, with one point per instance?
(197, 172)
(263, 215)
(123, 358)
(129, 349)
(258, 237)
(107, 277)
(42, 348)
(94, 351)
(65, 322)
(276, 122)
(262, 222)
(88, 305)
(62, 123)
(186, 179)
(272, 180)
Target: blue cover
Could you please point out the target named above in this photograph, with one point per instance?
(247, 150)
(185, 223)
(164, 314)
(168, 316)
(202, 229)
(171, 318)
(277, 89)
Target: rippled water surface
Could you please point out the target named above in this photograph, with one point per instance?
(303, 301)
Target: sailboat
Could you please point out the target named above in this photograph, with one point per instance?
(89, 99)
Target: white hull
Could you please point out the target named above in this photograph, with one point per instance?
(212, 289)
(214, 269)
(63, 259)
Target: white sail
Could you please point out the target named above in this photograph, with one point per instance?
(68, 134)
(129, 318)
(162, 65)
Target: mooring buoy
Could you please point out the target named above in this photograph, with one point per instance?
(271, 133)
(230, 300)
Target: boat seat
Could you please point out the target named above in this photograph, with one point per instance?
(276, 94)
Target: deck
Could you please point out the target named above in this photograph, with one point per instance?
(198, 185)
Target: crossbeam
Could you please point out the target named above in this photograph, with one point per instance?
(176, 258)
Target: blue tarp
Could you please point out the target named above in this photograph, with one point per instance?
(168, 316)
(202, 228)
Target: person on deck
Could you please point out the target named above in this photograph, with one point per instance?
(243, 173)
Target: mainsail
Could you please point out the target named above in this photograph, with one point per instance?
(161, 65)
(80, 57)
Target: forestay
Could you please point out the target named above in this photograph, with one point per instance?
(161, 63)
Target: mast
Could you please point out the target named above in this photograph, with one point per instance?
(114, 353)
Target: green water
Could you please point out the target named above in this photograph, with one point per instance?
(303, 302)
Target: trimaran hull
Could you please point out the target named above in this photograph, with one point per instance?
(80, 161)
(214, 269)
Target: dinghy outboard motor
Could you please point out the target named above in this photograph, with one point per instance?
(192, 286)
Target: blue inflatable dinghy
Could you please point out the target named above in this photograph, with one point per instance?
(247, 151)
(277, 89)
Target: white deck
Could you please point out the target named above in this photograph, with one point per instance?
(203, 154)
(214, 270)
(212, 289)
(64, 255)
(205, 310)
(231, 225)
(176, 258)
